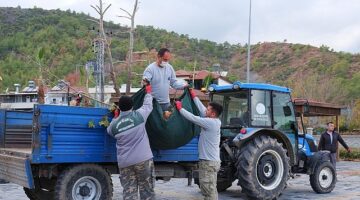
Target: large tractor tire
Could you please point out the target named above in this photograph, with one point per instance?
(263, 168)
(84, 182)
(324, 178)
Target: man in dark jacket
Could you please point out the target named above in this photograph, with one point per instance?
(328, 141)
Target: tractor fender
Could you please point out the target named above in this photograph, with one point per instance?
(318, 157)
(251, 133)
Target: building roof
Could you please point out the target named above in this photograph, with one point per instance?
(198, 75)
(181, 73)
(316, 108)
(177, 93)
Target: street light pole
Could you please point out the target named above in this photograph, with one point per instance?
(248, 49)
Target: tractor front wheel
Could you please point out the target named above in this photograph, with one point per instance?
(263, 168)
(324, 178)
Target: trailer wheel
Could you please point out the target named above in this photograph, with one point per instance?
(38, 194)
(263, 168)
(84, 182)
(324, 178)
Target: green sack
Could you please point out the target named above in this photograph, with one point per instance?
(174, 132)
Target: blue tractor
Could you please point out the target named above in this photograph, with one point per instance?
(54, 153)
(261, 144)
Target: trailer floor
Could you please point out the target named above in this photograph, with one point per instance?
(21, 152)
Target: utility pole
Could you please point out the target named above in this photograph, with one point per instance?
(99, 49)
(248, 48)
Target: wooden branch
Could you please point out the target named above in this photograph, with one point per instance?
(95, 9)
(125, 11)
(124, 17)
(135, 8)
(106, 8)
(99, 8)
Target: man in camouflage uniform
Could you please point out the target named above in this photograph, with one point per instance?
(133, 149)
(209, 142)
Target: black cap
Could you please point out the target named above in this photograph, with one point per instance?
(125, 103)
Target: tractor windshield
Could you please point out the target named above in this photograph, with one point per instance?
(235, 114)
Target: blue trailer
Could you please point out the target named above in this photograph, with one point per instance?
(52, 151)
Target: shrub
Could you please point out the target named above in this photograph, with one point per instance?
(354, 154)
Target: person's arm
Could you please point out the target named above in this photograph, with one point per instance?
(109, 128)
(321, 142)
(202, 122)
(148, 74)
(342, 142)
(200, 106)
(147, 106)
(175, 83)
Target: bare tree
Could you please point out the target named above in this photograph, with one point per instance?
(131, 17)
(101, 11)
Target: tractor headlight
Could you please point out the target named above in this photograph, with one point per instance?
(211, 89)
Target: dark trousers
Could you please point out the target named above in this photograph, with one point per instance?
(333, 159)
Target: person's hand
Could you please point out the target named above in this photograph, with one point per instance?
(145, 82)
(148, 89)
(178, 105)
(192, 93)
(349, 150)
(116, 113)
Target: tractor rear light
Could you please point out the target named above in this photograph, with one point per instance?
(243, 131)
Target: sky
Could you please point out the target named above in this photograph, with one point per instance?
(334, 23)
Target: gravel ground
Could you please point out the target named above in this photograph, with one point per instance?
(347, 188)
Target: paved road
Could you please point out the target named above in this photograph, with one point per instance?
(347, 188)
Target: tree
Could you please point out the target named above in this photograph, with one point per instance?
(131, 17)
(99, 9)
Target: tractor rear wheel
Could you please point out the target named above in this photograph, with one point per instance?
(263, 168)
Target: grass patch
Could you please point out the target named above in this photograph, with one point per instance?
(354, 155)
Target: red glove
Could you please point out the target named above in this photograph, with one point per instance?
(192, 93)
(178, 105)
(148, 89)
(116, 113)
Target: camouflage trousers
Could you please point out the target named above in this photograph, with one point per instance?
(208, 177)
(138, 178)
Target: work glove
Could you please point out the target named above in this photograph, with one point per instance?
(116, 113)
(148, 89)
(192, 93)
(178, 105)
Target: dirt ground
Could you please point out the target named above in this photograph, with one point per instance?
(347, 188)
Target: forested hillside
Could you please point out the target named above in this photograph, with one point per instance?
(315, 73)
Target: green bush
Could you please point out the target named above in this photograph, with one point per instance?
(354, 154)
